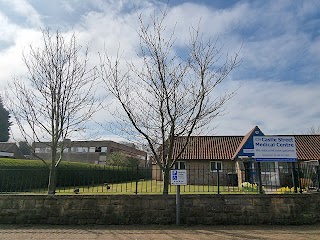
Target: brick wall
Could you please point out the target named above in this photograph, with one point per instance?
(160, 209)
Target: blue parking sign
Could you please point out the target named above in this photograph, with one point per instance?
(178, 177)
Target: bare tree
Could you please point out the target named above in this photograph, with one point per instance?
(57, 96)
(313, 130)
(168, 96)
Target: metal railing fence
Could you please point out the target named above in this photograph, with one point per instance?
(288, 178)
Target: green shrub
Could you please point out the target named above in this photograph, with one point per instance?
(30, 175)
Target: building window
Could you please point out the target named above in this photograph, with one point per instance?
(268, 167)
(104, 149)
(180, 165)
(39, 150)
(215, 166)
(74, 149)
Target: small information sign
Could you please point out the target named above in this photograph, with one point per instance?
(179, 177)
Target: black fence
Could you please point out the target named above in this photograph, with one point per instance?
(244, 178)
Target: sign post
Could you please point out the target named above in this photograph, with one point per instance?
(274, 149)
(178, 177)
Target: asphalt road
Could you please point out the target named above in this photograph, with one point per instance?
(41, 232)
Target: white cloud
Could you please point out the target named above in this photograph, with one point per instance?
(11, 63)
(26, 10)
(276, 44)
(212, 22)
(276, 107)
(274, 53)
(7, 30)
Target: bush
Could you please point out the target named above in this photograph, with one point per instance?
(120, 159)
(285, 190)
(22, 175)
(249, 187)
(30, 175)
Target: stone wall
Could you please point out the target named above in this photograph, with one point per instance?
(160, 209)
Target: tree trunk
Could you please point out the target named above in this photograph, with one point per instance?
(166, 179)
(52, 174)
(52, 181)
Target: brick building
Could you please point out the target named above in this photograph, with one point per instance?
(94, 152)
(207, 156)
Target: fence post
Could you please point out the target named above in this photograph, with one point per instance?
(137, 180)
(259, 177)
(299, 178)
(294, 178)
(218, 179)
(318, 176)
(178, 205)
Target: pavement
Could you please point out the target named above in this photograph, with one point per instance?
(43, 232)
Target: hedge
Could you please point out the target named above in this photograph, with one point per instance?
(32, 175)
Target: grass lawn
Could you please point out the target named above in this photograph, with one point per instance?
(147, 187)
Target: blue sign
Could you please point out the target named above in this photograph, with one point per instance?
(247, 148)
(276, 159)
(179, 177)
(275, 149)
(174, 175)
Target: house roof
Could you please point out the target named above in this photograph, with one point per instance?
(5, 146)
(11, 148)
(247, 141)
(226, 147)
(208, 147)
(307, 147)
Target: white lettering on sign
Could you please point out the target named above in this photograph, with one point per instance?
(248, 150)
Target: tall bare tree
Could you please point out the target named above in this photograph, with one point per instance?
(168, 96)
(56, 97)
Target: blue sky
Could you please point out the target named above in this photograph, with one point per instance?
(278, 77)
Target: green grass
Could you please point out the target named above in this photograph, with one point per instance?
(18, 175)
(144, 187)
(147, 187)
(34, 175)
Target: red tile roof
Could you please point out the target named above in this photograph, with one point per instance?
(207, 147)
(224, 147)
(307, 146)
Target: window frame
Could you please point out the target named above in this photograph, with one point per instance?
(177, 165)
(216, 166)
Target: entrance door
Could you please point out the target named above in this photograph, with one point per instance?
(249, 172)
(270, 174)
